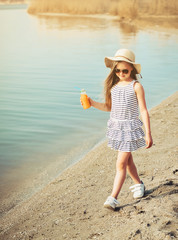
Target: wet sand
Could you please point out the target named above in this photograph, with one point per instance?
(71, 207)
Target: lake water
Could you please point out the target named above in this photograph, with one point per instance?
(43, 128)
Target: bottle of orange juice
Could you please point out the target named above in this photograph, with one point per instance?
(84, 99)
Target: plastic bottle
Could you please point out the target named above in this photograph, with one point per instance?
(84, 99)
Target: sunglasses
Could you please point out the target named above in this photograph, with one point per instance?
(125, 71)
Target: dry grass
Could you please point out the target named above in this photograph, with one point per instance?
(162, 7)
(69, 6)
(128, 8)
(123, 8)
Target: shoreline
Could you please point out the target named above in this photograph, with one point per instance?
(75, 198)
(35, 182)
(23, 194)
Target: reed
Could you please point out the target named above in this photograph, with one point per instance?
(123, 8)
(69, 6)
(163, 7)
(128, 8)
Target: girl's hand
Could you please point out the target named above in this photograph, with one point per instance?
(149, 140)
(90, 100)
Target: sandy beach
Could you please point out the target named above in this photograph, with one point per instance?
(71, 207)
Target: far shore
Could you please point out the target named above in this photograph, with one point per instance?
(13, 3)
(158, 22)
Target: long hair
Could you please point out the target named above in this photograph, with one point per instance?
(112, 79)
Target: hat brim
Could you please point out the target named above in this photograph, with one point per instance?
(110, 60)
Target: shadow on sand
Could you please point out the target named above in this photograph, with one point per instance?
(162, 190)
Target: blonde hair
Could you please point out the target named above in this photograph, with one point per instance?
(112, 80)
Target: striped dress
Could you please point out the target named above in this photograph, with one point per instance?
(124, 128)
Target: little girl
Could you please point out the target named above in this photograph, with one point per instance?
(123, 95)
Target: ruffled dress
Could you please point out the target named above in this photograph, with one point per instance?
(124, 128)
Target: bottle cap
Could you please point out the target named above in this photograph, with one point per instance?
(83, 91)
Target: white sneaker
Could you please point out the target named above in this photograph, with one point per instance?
(138, 190)
(111, 203)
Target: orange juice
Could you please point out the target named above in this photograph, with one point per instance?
(84, 99)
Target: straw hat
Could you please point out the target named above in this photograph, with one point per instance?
(123, 55)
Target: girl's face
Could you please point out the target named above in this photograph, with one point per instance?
(123, 71)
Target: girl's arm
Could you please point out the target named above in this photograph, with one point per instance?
(98, 105)
(144, 112)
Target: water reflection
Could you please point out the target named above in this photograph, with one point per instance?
(85, 22)
(127, 28)
(72, 22)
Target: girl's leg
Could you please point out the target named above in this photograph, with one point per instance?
(131, 168)
(121, 165)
